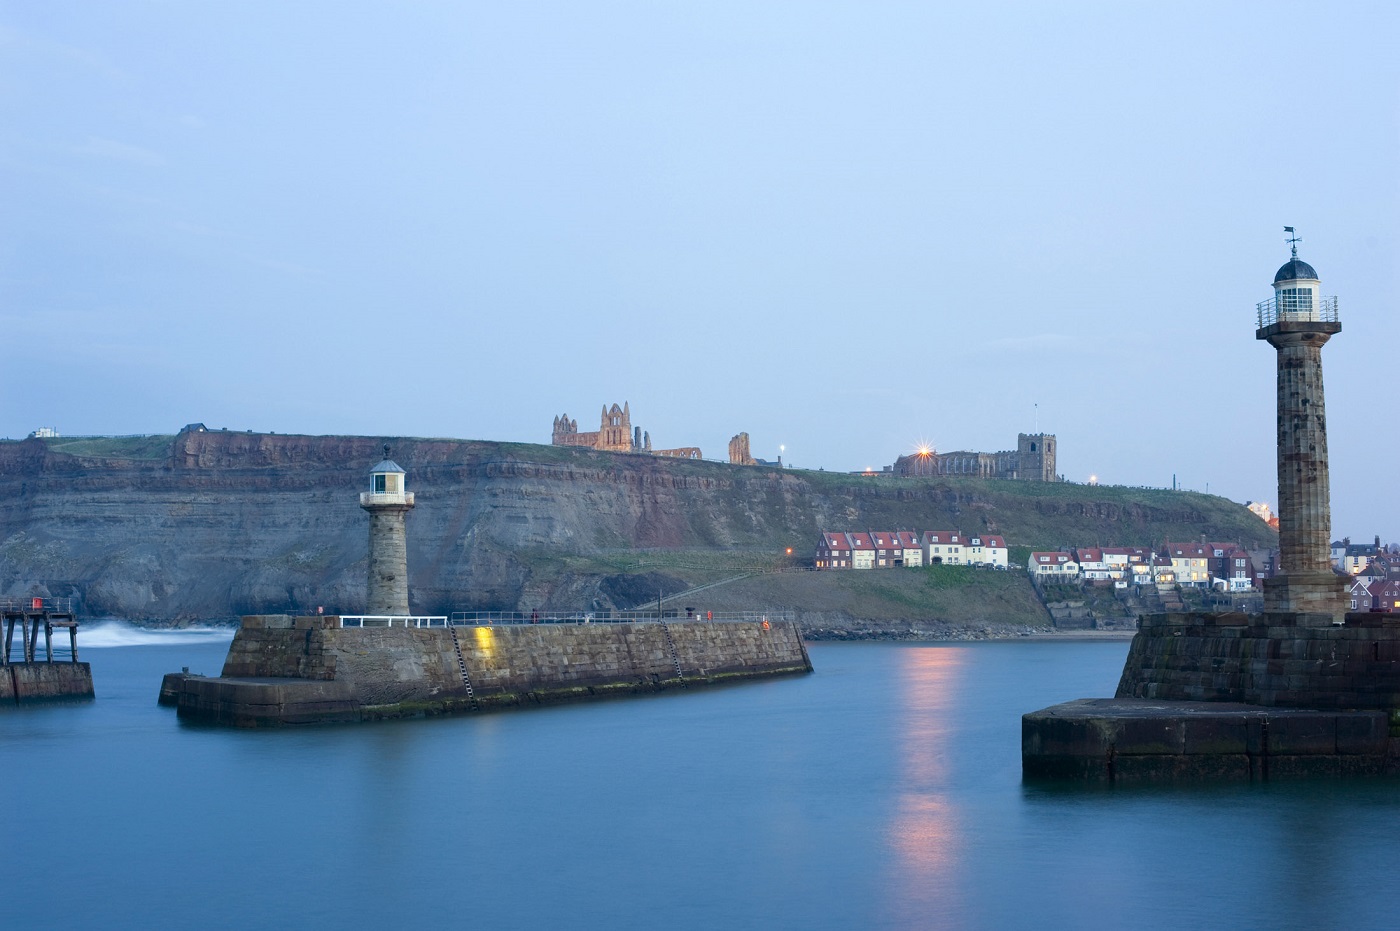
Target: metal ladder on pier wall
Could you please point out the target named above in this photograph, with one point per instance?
(462, 666)
(675, 658)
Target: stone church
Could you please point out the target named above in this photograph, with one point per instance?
(1033, 460)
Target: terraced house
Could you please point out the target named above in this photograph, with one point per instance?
(943, 548)
(1190, 563)
(986, 551)
(895, 549)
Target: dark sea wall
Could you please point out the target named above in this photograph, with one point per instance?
(1268, 660)
(25, 682)
(216, 525)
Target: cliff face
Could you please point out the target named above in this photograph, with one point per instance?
(210, 526)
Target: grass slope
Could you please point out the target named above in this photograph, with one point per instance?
(921, 596)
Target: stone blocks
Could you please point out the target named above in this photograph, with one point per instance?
(274, 668)
(1271, 660)
(24, 682)
(1111, 740)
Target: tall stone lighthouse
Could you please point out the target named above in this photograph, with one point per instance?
(1297, 321)
(388, 503)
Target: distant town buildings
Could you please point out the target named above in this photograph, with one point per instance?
(1263, 512)
(1033, 460)
(1222, 566)
(884, 549)
(1375, 574)
(44, 433)
(1354, 558)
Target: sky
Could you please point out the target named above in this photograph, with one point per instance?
(845, 228)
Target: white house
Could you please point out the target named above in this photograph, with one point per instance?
(986, 551)
(943, 548)
(1053, 565)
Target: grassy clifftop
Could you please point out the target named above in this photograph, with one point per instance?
(217, 524)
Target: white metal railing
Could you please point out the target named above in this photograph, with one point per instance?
(668, 615)
(385, 497)
(1270, 312)
(392, 620)
(34, 605)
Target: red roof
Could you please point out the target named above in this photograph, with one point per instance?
(943, 536)
(860, 541)
(908, 538)
(1051, 556)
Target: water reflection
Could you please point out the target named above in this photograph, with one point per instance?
(924, 832)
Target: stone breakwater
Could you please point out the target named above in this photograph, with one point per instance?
(1268, 659)
(24, 682)
(1234, 696)
(306, 670)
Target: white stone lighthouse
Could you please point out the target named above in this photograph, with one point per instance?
(1297, 321)
(388, 503)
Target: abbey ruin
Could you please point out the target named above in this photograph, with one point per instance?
(616, 434)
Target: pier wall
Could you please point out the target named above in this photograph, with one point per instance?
(1272, 660)
(301, 670)
(1234, 696)
(21, 682)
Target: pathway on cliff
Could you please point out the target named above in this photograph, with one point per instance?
(700, 588)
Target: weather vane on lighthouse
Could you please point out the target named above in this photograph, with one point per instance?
(1292, 240)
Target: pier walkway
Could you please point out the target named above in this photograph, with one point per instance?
(503, 618)
(33, 615)
(27, 676)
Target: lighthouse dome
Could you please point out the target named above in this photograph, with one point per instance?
(1293, 270)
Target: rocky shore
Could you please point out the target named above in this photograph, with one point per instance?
(934, 631)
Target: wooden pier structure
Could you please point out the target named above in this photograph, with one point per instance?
(28, 677)
(32, 614)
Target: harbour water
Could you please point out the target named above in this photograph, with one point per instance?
(883, 791)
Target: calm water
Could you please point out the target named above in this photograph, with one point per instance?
(882, 792)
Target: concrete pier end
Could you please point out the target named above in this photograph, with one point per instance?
(35, 682)
(1110, 740)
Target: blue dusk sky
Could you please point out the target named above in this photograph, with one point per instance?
(845, 228)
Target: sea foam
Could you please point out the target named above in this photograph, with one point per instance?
(115, 633)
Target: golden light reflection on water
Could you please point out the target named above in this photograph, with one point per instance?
(924, 831)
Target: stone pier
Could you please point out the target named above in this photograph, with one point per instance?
(1305, 689)
(308, 670)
